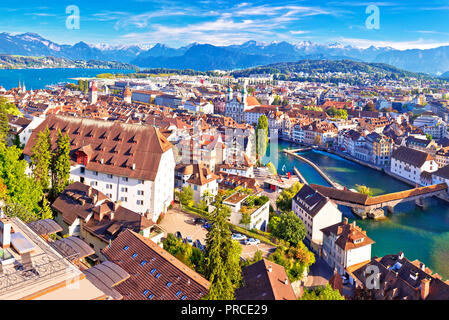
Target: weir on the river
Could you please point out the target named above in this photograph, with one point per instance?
(325, 177)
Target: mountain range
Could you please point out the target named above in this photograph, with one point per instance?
(204, 57)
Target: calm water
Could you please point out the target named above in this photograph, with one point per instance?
(420, 234)
(39, 78)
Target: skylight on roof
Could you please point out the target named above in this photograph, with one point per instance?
(151, 296)
(169, 284)
(158, 275)
(125, 248)
(183, 297)
(178, 293)
(153, 270)
(134, 255)
(145, 292)
(142, 263)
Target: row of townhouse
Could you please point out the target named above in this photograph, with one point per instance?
(372, 148)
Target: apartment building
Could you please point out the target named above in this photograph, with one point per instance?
(131, 164)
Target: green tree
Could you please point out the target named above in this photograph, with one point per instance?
(4, 125)
(60, 168)
(322, 293)
(284, 201)
(41, 159)
(273, 223)
(261, 136)
(364, 190)
(246, 218)
(222, 266)
(46, 212)
(290, 228)
(20, 188)
(186, 195)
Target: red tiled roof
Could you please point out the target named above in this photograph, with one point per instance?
(174, 276)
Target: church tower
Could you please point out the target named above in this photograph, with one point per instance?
(93, 93)
(127, 95)
(229, 98)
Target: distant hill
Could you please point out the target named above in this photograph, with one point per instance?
(324, 66)
(22, 62)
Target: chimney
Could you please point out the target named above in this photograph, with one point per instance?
(5, 232)
(400, 255)
(94, 198)
(134, 166)
(423, 267)
(286, 280)
(270, 268)
(345, 220)
(353, 224)
(89, 192)
(425, 288)
(115, 206)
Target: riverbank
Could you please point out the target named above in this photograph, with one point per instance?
(421, 233)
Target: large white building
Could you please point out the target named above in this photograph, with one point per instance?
(345, 245)
(317, 212)
(237, 105)
(413, 165)
(131, 164)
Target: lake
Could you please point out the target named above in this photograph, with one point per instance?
(39, 78)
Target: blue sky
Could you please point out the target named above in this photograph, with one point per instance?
(403, 24)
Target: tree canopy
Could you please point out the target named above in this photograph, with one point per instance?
(290, 228)
(322, 293)
(284, 201)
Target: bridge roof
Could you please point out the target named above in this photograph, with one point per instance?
(357, 198)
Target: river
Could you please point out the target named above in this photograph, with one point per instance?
(420, 234)
(39, 78)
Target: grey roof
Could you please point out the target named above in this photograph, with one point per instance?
(45, 227)
(105, 276)
(310, 200)
(413, 157)
(73, 246)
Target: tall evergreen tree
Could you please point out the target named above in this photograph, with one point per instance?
(45, 212)
(41, 159)
(217, 260)
(60, 168)
(4, 125)
(261, 136)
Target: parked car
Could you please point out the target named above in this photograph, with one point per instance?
(252, 241)
(238, 236)
(178, 235)
(189, 240)
(199, 245)
(207, 225)
(200, 221)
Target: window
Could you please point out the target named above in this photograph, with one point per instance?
(82, 170)
(108, 186)
(124, 199)
(125, 179)
(94, 183)
(109, 195)
(110, 176)
(140, 192)
(140, 202)
(124, 189)
(95, 173)
(140, 181)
